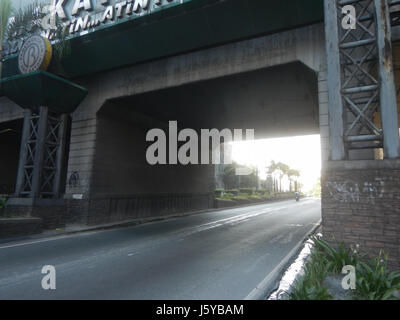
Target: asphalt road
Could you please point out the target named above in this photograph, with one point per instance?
(216, 255)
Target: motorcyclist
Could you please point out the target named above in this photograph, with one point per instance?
(297, 196)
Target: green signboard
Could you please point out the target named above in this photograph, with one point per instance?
(79, 17)
(115, 33)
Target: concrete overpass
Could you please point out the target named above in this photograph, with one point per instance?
(209, 63)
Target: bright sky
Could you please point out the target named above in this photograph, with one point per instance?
(301, 153)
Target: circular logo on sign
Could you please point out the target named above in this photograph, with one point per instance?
(34, 55)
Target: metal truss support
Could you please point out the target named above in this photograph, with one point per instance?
(360, 79)
(42, 154)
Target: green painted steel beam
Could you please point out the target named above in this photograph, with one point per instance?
(41, 88)
(193, 25)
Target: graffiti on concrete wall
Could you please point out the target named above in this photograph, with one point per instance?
(353, 191)
(73, 180)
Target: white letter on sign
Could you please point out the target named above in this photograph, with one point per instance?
(81, 4)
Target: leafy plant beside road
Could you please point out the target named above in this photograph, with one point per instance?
(373, 279)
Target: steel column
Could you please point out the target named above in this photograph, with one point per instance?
(23, 154)
(335, 103)
(360, 79)
(39, 153)
(42, 154)
(388, 99)
(62, 138)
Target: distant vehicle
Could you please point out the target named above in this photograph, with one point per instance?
(297, 196)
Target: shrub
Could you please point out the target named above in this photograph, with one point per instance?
(310, 285)
(241, 196)
(248, 191)
(256, 197)
(374, 282)
(337, 257)
(234, 192)
(218, 193)
(262, 192)
(226, 196)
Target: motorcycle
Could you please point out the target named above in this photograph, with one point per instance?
(297, 197)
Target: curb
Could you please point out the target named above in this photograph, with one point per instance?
(271, 281)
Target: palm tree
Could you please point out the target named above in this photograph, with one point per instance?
(292, 173)
(28, 21)
(271, 169)
(283, 170)
(5, 13)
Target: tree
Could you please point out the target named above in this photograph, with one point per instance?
(229, 177)
(234, 181)
(282, 169)
(271, 170)
(293, 173)
(5, 13)
(316, 191)
(28, 21)
(251, 180)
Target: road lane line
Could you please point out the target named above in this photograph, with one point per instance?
(34, 242)
(262, 290)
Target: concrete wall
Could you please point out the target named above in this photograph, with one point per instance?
(81, 154)
(123, 184)
(120, 166)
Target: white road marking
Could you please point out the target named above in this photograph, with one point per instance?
(34, 242)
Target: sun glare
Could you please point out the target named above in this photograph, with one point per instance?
(301, 153)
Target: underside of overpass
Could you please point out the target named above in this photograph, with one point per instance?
(275, 102)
